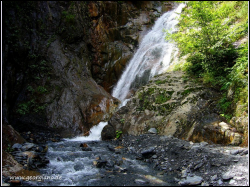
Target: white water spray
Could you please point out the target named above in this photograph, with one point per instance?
(153, 54)
(95, 133)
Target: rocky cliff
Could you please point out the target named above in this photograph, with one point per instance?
(61, 59)
(173, 104)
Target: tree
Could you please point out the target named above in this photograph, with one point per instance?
(207, 33)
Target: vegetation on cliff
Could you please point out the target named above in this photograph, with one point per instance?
(213, 35)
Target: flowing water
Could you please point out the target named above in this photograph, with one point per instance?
(152, 56)
(75, 167)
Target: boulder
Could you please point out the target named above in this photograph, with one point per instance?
(108, 132)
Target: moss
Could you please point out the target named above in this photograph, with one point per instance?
(150, 91)
(187, 91)
(160, 82)
(163, 97)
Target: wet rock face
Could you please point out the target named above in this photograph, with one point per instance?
(82, 103)
(56, 53)
(10, 137)
(177, 106)
(116, 30)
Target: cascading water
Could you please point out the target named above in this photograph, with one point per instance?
(153, 55)
(74, 166)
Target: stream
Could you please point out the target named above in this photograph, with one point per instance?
(102, 163)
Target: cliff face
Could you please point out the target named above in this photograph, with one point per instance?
(174, 104)
(61, 59)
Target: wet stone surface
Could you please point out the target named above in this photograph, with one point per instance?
(144, 160)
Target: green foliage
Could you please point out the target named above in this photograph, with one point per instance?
(41, 90)
(118, 134)
(31, 104)
(122, 120)
(161, 99)
(160, 82)
(23, 108)
(68, 16)
(9, 149)
(207, 32)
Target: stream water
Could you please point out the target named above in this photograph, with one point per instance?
(75, 167)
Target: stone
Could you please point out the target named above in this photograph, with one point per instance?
(213, 178)
(195, 180)
(184, 173)
(111, 148)
(29, 162)
(59, 159)
(30, 154)
(84, 145)
(140, 181)
(39, 149)
(237, 139)
(227, 176)
(232, 181)
(203, 143)
(204, 184)
(27, 146)
(110, 164)
(100, 163)
(154, 156)
(234, 152)
(220, 182)
(120, 169)
(17, 146)
(244, 152)
(108, 132)
(45, 149)
(148, 151)
(152, 130)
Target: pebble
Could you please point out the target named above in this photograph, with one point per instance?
(27, 146)
(213, 178)
(220, 182)
(140, 181)
(204, 184)
(203, 144)
(232, 181)
(244, 152)
(227, 176)
(184, 173)
(17, 146)
(99, 163)
(148, 151)
(154, 156)
(234, 152)
(152, 131)
(195, 180)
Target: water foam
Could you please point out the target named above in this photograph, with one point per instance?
(153, 54)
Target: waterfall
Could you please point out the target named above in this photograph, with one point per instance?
(95, 133)
(151, 58)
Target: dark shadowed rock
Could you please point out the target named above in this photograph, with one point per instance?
(108, 132)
